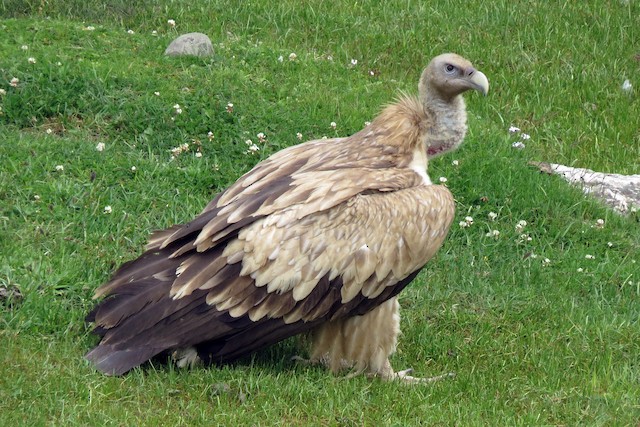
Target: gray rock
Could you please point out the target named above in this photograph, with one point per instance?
(621, 192)
(196, 44)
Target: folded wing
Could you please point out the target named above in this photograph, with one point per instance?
(286, 248)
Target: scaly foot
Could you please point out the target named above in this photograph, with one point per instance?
(405, 377)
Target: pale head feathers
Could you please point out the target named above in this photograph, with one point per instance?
(447, 76)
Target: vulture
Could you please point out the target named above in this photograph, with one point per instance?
(317, 239)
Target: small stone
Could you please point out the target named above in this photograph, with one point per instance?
(196, 44)
(10, 295)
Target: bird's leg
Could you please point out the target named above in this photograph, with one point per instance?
(186, 357)
(363, 344)
(302, 361)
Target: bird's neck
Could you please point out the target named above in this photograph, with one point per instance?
(448, 124)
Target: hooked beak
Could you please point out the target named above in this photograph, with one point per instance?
(479, 81)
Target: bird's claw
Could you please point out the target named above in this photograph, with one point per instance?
(301, 360)
(405, 377)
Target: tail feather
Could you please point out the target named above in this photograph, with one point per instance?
(111, 361)
(142, 321)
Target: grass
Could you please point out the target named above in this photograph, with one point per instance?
(532, 342)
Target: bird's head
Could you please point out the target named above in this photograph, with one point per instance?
(449, 75)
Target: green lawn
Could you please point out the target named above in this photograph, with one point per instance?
(541, 323)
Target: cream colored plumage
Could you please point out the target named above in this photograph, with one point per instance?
(318, 238)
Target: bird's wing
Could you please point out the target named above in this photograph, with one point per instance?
(313, 176)
(300, 239)
(360, 248)
(275, 278)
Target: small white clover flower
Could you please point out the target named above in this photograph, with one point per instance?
(524, 238)
(210, 136)
(367, 123)
(108, 209)
(493, 233)
(24, 47)
(468, 219)
(130, 32)
(521, 225)
(455, 163)
(14, 82)
(492, 216)
(171, 22)
(248, 142)
(177, 109)
(293, 56)
(31, 60)
(519, 145)
(59, 64)
(261, 137)
(198, 154)
(610, 244)
(3, 92)
(463, 224)
(329, 58)
(156, 93)
(49, 131)
(90, 28)
(299, 136)
(229, 108)
(580, 270)
(589, 256)
(100, 146)
(513, 129)
(546, 261)
(154, 33)
(253, 148)
(354, 62)
(133, 168)
(525, 136)
(176, 151)
(599, 223)
(626, 86)
(59, 168)
(333, 125)
(442, 179)
(36, 197)
(280, 58)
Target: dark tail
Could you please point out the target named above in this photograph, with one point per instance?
(140, 321)
(117, 362)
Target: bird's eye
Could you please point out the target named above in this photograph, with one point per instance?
(449, 69)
